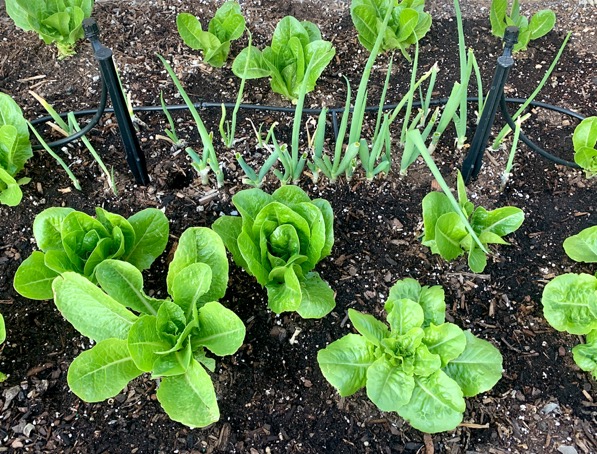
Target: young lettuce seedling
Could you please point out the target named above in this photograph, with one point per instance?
(279, 239)
(58, 22)
(15, 150)
(168, 338)
(72, 241)
(584, 141)
(248, 64)
(408, 23)
(570, 300)
(296, 57)
(420, 367)
(540, 24)
(446, 233)
(227, 25)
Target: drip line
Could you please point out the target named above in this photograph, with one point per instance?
(335, 111)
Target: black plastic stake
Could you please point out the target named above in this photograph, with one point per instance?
(474, 159)
(134, 155)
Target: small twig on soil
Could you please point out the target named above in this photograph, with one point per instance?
(471, 425)
(428, 440)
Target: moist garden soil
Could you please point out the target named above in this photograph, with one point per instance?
(271, 393)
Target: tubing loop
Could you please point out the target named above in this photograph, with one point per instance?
(94, 121)
(532, 145)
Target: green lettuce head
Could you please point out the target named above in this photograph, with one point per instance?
(279, 238)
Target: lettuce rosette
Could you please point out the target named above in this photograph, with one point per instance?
(278, 239)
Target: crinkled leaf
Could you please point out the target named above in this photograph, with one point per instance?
(570, 303)
(446, 340)
(151, 236)
(103, 371)
(33, 278)
(344, 363)
(123, 282)
(388, 386)
(369, 327)
(478, 368)
(582, 247)
(437, 404)
(201, 245)
(190, 398)
(93, 313)
(317, 298)
(221, 331)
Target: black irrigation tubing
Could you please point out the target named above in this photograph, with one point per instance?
(334, 111)
(532, 145)
(97, 114)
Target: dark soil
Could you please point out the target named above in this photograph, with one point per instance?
(272, 395)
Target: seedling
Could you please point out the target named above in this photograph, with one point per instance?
(540, 24)
(570, 300)
(15, 150)
(57, 22)
(408, 23)
(168, 337)
(208, 159)
(72, 127)
(73, 241)
(584, 140)
(227, 25)
(453, 227)
(420, 367)
(279, 239)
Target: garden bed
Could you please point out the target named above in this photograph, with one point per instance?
(271, 393)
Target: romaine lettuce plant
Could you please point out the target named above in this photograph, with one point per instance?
(168, 338)
(447, 234)
(408, 23)
(73, 241)
(296, 57)
(584, 141)
(279, 239)
(570, 300)
(15, 150)
(540, 24)
(420, 367)
(227, 25)
(55, 21)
